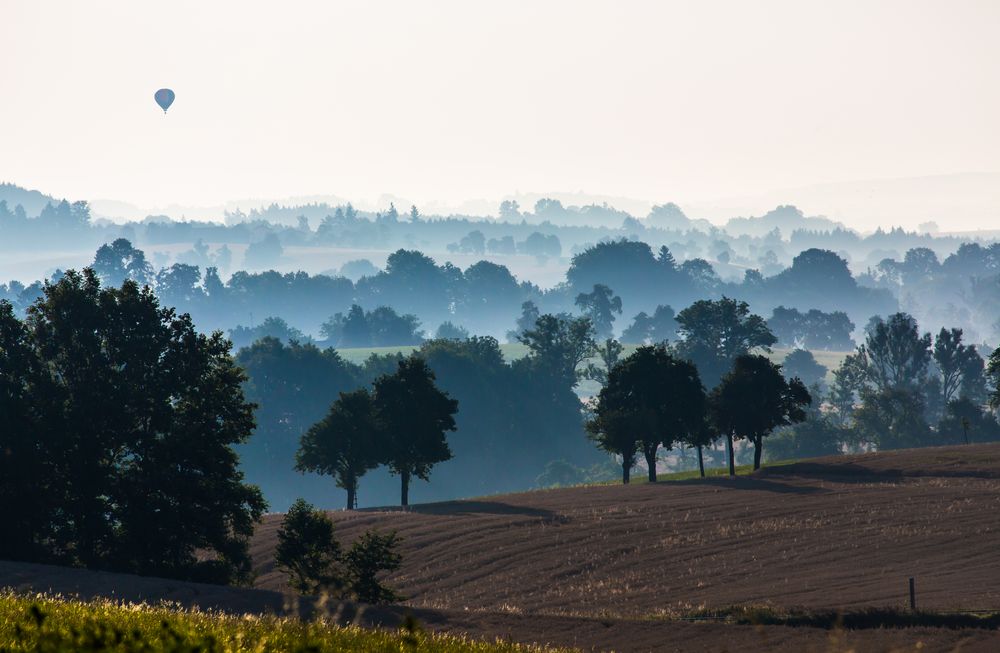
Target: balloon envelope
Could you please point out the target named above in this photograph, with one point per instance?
(164, 97)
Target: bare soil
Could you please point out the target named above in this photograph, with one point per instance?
(612, 567)
(837, 533)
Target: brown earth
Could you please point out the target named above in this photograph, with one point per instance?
(838, 533)
(605, 567)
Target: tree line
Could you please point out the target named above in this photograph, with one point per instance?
(413, 294)
(655, 397)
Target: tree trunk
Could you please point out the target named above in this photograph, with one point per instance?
(352, 492)
(404, 478)
(626, 470)
(729, 452)
(650, 453)
(758, 449)
(701, 462)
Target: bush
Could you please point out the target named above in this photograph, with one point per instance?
(308, 552)
(371, 554)
(315, 562)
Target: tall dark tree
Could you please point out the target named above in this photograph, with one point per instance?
(600, 305)
(414, 415)
(612, 430)
(29, 457)
(754, 399)
(655, 397)
(135, 416)
(345, 444)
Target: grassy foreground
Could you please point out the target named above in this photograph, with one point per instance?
(53, 625)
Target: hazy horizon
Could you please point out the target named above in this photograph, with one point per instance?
(724, 108)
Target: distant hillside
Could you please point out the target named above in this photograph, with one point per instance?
(33, 201)
(785, 218)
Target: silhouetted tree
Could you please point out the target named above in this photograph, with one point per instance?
(600, 305)
(134, 416)
(372, 554)
(120, 261)
(666, 397)
(309, 552)
(953, 360)
(345, 444)
(541, 245)
(450, 331)
(892, 418)
(382, 327)
(264, 253)
(609, 352)
(811, 330)
(29, 454)
(294, 386)
(558, 344)
(895, 353)
(965, 422)
(415, 415)
(645, 329)
(715, 332)
(509, 210)
(529, 316)
(657, 399)
(848, 381)
(611, 429)
(271, 327)
(178, 284)
(754, 399)
(801, 364)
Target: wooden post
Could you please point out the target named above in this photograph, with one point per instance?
(913, 596)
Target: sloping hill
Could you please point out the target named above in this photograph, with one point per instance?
(594, 567)
(833, 533)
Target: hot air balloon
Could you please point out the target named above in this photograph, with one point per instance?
(164, 97)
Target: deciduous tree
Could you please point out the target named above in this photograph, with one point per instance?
(753, 399)
(414, 415)
(345, 444)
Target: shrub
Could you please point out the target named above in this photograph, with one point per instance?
(316, 563)
(370, 555)
(308, 552)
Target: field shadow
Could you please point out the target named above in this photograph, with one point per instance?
(751, 483)
(854, 473)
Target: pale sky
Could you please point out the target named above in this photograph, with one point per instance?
(452, 101)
